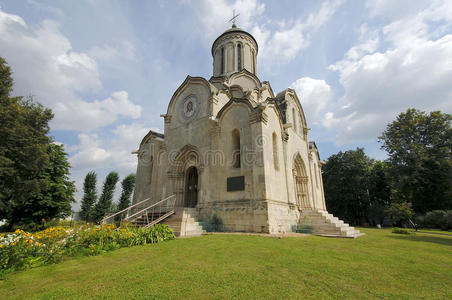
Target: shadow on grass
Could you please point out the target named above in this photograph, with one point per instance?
(422, 238)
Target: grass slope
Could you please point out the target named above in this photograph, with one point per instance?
(377, 265)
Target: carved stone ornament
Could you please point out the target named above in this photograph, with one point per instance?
(189, 108)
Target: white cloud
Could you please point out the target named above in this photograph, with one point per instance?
(395, 9)
(47, 8)
(414, 71)
(114, 152)
(86, 116)
(276, 47)
(127, 139)
(46, 66)
(90, 154)
(283, 45)
(215, 13)
(108, 53)
(106, 153)
(315, 96)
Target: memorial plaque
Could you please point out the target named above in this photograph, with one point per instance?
(236, 183)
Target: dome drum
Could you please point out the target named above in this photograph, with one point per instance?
(234, 51)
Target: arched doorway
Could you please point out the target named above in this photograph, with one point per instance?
(191, 187)
(301, 183)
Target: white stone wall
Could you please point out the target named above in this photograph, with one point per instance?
(239, 101)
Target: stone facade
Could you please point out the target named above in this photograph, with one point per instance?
(233, 148)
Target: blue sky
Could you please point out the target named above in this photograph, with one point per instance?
(109, 68)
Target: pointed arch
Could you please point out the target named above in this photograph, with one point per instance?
(301, 183)
(230, 103)
(180, 161)
(244, 76)
(187, 156)
(292, 93)
(189, 80)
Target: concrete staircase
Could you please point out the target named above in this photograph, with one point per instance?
(183, 223)
(325, 224)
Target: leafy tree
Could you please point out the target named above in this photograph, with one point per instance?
(345, 181)
(128, 184)
(399, 213)
(379, 191)
(89, 197)
(6, 81)
(419, 147)
(34, 182)
(106, 198)
(356, 187)
(57, 192)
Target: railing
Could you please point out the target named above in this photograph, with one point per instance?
(122, 214)
(147, 216)
(155, 213)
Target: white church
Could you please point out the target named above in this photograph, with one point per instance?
(234, 149)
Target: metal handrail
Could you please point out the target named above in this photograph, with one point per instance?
(128, 218)
(125, 209)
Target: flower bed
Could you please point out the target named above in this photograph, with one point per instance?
(21, 250)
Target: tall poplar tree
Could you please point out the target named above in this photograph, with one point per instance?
(89, 197)
(105, 202)
(128, 184)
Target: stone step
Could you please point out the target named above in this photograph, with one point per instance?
(324, 223)
(184, 223)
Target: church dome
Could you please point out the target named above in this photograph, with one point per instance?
(234, 50)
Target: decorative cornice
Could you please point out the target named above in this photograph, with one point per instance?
(231, 34)
(258, 115)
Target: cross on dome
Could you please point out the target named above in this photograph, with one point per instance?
(234, 18)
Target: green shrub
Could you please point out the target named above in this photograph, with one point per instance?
(21, 250)
(439, 219)
(399, 213)
(400, 230)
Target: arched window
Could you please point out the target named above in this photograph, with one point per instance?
(236, 148)
(294, 118)
(275, 151)
(239, 57)
(253, 62)
(222, 60)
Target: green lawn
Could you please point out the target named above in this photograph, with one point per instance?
(377, 265)
(436, 231)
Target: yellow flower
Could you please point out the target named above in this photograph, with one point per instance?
(1, 246)
(13, 243)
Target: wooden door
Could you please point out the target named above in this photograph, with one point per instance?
(191, 188)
